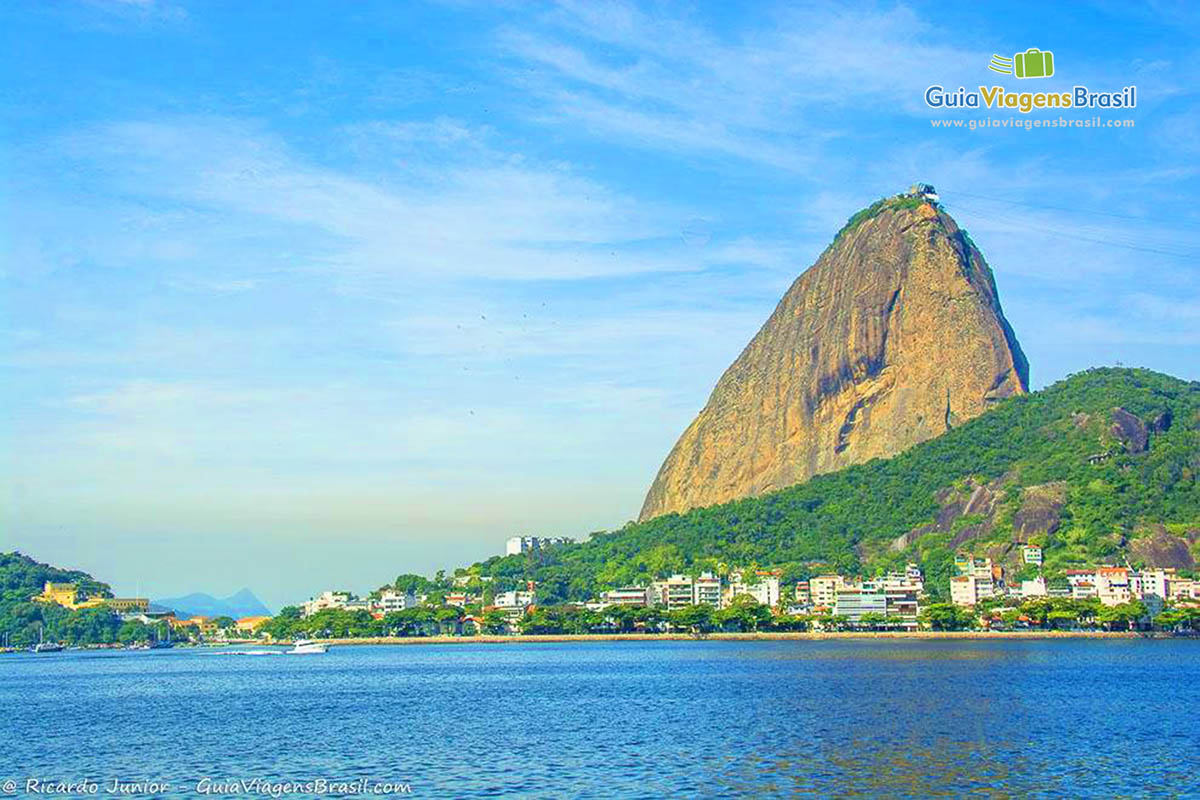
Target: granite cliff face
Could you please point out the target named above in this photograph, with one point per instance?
(893, 337)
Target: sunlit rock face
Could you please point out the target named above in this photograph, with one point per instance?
(893, 337)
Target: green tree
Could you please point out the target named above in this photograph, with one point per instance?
(697, 619)
(946, 617)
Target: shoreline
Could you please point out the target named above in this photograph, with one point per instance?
(553, 638)
(764, 636)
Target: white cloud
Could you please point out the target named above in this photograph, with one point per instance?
(768, 94)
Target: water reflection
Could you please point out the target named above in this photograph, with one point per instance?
(845, 718)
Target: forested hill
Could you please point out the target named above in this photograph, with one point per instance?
(21, 578)
(1099, 467)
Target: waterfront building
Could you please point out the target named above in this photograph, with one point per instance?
(1112, 585)
(1151, 585)
(1183, 589)
(1034, 588)
(126, 605)
(964, 591)
(390, 600)
(852, 602)
(987, 577)
(69, 596)
(706, 590)
(251, 624)
(1032, 554)
(514, 600)
(763, 587)
(1082, 583)
(903, 603)
(328, 599)
(824, 589)
(626, 596)
(803, 593)
(678, 591)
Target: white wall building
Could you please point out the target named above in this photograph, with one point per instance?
(627, 596)
(678, 591)
(1034, 588)
(390, 600)
(964, 591)
(824, 589)
(763, 586)
(325, 600)
(513, 600)
(706, 590)
(517, 545)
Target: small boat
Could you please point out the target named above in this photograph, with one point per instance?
(46, 647)
(304, 647)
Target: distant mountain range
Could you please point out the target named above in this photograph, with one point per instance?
(199, 604)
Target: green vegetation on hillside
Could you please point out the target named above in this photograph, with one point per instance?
(894, 202)
(22, 620)
(848, 521)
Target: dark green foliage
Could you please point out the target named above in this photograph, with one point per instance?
(846, 521)
(895, 202)
(21, 578)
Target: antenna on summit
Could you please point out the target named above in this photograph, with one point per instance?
(925, 191)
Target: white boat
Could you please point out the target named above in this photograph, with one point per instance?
(304, 647)
(46, 647)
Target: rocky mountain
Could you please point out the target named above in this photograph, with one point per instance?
(894, 336)
(199, 604)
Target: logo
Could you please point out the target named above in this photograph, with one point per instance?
(1033, 63)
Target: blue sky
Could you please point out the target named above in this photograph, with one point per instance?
(311, 297)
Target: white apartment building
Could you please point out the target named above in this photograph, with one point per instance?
(678, 591)
(1183, 589)
(324, 600)
(983, 573)
(706, 590)
(513, 600)
(965, 590)
(1112, 585)
(824, 589)
(627, 596)
(803, 593)
(1032, 554)
(1034, 588)
(390, 600)
(763, 586)
(1082, 582)
(517, 545)
(1151, 584)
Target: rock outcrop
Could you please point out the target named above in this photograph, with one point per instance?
(894, 336)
